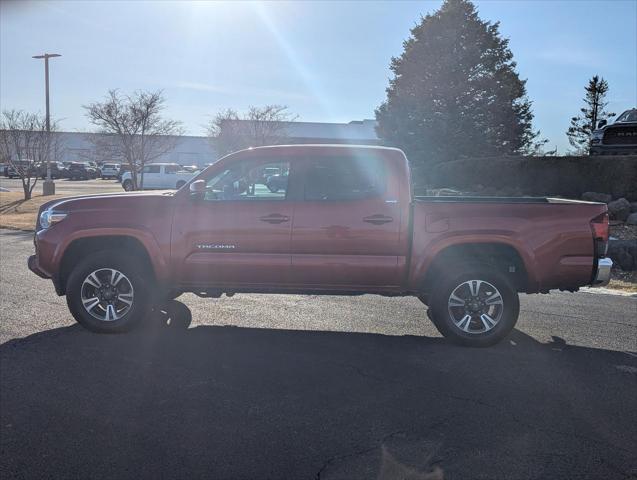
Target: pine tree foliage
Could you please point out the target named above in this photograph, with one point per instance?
(594, 110)
(456, 92)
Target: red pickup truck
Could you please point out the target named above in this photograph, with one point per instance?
(342, 220)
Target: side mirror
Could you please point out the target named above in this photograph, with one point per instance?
(198, 188)
(601, 123)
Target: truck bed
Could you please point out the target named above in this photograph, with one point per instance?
(552, 235)
(477, 199)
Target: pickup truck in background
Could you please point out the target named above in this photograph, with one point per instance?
(344, 222)
(157, 176)
(618, 138)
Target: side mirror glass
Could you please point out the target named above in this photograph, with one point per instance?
(198, 188)
(601, 123)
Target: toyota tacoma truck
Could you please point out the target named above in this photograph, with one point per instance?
(344, 222)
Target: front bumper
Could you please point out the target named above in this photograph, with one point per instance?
(601, 149)
(35, 268)
(602, 277)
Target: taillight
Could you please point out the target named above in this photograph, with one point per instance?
(600, 228)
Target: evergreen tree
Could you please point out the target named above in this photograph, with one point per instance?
(579, 133)
(455, 91)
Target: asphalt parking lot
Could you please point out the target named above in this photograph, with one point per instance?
(306, 387)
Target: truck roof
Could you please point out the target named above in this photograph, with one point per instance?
(315, 147)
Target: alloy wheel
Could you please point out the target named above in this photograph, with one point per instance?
(107, 294)
(475, 306)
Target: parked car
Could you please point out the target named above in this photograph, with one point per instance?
(96, 169)
(27, 167)
(57, 170)
(158, 176)
(81, 171)
(123, 168)
(618, 138)
(345, 223)
(110, 170)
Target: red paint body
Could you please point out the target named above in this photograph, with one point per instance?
(323, 245)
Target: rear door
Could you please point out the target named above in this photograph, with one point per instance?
(346, 231)
(239, 233)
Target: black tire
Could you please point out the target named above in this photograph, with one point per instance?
(134, 273)
(127, 185)
(172, 294)
(441, 313)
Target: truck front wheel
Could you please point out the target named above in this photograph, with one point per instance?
(475, 308)
(107, 292)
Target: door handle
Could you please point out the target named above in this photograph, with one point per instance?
(275, 218)
(378, 219)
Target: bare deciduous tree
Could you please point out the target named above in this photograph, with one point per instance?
(259, 126)
(133, 129)
(26, 146)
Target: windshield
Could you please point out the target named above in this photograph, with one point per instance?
(628, 116)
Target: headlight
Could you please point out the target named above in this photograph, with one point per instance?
(597, 135)
(49, 217)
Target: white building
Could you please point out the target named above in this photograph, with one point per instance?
(189, 150)
(193, 150)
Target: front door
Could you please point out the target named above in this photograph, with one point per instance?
(239, 233)
(152, 176)
(346, 230)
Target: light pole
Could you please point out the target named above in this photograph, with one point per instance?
(48, 187)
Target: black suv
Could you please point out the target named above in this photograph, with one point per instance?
(57, 170)
(81, 171)
(619, 138)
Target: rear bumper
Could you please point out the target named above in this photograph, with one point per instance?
(602, 277)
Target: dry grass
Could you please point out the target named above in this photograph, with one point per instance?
(623, 285)
(19, 214)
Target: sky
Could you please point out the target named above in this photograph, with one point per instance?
(327, 61)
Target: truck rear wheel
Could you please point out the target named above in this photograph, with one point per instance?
(476, 308)
(107, 292)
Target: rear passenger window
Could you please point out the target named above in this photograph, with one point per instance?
(344, 178)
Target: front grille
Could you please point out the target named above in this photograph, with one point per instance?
(624, 135)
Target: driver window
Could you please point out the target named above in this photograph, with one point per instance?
(151, 169)
(250, 180)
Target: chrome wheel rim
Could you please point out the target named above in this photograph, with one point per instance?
(475, 306)
(107, 294)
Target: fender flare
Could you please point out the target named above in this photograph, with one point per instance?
(421, 268)
(144, 237)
